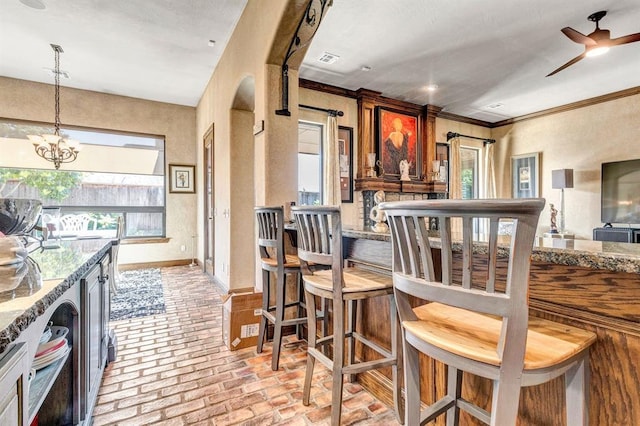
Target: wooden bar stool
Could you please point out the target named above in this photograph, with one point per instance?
(320, 243)
(478, 319)
(275, 260)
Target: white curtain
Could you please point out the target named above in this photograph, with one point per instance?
(490, 172)
(455, 183)
(331, 157)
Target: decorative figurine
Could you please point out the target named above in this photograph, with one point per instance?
(554, 213)
(404, 170)
(378, 215)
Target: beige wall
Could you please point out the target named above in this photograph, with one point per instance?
(263, 171)
(27, 100)
(580, 139)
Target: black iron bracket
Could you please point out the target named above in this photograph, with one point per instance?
(307, 28)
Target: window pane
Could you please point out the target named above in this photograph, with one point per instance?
(469, 172)
(101, 151)
(144, 224)
(309, 163)
(115, 174)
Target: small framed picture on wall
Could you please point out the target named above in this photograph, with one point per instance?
(525, 176)
(182, 178)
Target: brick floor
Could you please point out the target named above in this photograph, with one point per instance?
(174, 369)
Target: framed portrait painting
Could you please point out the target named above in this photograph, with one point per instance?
(182, 178)
(398, 139)
(345, 150)
(525, 175)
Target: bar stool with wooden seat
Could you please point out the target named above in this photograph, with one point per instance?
(477, 319)
(320, 243)
(275, 260)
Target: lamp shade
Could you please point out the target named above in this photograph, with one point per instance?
(562, 178)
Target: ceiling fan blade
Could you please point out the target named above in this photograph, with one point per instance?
(568, 64)
(578, 37)
(625, 39)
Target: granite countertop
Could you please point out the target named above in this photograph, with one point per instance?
(27, 290)
(617, 257)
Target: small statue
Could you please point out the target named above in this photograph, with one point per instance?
(404, 170)
(378, 215)
(554, 213)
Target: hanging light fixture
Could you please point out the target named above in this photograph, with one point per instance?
(54, 148)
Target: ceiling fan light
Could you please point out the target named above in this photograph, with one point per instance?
(597, 51)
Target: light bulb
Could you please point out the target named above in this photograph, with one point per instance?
(597, 51)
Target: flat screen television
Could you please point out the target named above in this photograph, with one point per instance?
(620, 192)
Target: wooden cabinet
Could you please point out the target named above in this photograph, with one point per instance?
(94, 299)
(13, 364)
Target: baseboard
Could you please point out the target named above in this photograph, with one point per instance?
(161, 264)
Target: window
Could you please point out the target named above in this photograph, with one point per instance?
(115, 174)
(469, 159)
(309, 163)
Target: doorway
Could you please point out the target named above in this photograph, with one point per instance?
(209, 202)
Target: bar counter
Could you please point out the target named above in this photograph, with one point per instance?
(589, 284)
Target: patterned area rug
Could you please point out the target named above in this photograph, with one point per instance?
(139, 294)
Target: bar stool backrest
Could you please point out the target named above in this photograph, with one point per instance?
(316, 226)
(271, 233)
(480, 286)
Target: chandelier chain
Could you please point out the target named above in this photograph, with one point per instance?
(57, 88)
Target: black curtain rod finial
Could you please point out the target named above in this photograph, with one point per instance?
(452, 135)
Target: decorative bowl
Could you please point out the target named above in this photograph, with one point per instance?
(18, 215)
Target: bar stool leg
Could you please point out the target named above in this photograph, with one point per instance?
(277, 334)
(454, 389)
(312, 332)
(576, 381)
(265, 308)
(301, 305)
(338, 361)
(505, 399)
(396, 370)
(352, 312)
(412, 383)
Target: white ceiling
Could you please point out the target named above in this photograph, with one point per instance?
(149, 49)
(479, 53)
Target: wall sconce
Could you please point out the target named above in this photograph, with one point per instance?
(561, 179)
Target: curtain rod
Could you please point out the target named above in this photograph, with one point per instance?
(332, 112)
(451, 135)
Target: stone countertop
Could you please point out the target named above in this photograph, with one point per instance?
(611, 256)
(28, 290)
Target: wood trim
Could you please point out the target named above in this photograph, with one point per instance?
(570, 107)
(326, 88)
(160, 264)
(462, 119)
(321, 87)
(130, 241)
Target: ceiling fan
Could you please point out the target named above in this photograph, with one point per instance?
(596, 43)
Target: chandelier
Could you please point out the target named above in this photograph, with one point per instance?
(54, 148)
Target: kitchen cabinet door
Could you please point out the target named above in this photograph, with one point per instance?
(13, 368)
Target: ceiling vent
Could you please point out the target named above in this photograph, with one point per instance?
(328, 58)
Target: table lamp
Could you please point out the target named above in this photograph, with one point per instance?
(561, 179)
